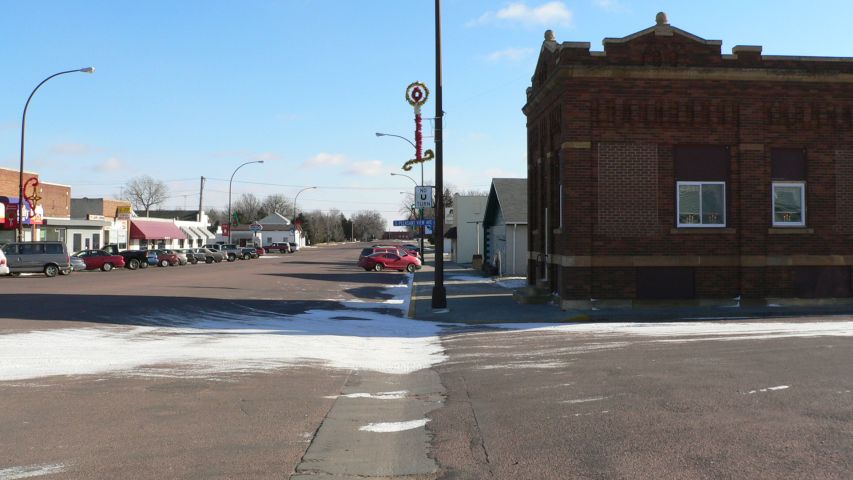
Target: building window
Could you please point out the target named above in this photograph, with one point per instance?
(789, 204)
(701, 204)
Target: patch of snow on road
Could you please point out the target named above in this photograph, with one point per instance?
(31, 471)
(768, 389)
(396, 395)
(586, 400)
(467, 279)
(697, 331)
(388, 427)
(213, 344)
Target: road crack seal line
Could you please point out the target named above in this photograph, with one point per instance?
(480, 440)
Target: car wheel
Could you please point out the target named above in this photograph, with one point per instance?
(378, 267)
(232, 258)
(66, 272)
(14, 274)
(410, 268)
(164, 263)
(142, 264)
(133, 264)
(247, 257)
(208, 259)
(366, 269)
(107, 267)
(51, 270)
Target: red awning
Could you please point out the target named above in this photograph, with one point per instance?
(153, 230)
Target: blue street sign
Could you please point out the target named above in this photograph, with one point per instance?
(414, 223)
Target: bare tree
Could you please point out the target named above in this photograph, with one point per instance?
(248, 208)
(368, 225)
(144, 192)
(277, 203)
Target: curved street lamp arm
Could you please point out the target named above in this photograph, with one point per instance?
(403, 175)
(380, 134)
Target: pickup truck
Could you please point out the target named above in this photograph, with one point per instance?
(133, 259)
(231, 252)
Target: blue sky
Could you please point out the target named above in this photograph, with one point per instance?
(191, 88)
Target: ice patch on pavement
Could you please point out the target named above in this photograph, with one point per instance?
(512, 282)
(397, 395)
(30, 471)
(387, 427)
(768, 389)
(218, 343)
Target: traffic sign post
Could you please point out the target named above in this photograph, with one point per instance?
(423, 196)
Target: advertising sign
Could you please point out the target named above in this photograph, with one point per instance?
(124, 212)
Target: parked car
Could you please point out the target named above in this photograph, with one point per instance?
(278, 247)
(248, 253)
(380, 249)
(49, 257)
(210, 256)
(193, 256)
(4, 265)
(260, 251)
(294, 247)
(413, 249)
(391, 261)
(133, 259)
(99, 259)
(78, 265)
(230, 251)
(182, 257)
(162, 258)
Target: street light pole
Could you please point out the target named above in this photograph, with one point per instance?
(421, 229)
(229, 194)
(23, 136)
(294, 210)
(439, 293)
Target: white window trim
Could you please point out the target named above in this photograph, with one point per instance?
(698, 225)
(802, 186)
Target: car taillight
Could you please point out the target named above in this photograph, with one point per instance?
(2, 261)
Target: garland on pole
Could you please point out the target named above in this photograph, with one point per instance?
(417, 94)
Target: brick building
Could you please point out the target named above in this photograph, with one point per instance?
(54, 205)
(662, 169)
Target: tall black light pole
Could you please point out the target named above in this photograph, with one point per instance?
(23, 136)
(439, 294)
(421, 229)
(229, 194)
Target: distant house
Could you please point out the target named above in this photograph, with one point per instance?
(505, 226)
(468, 214)
(276, 228)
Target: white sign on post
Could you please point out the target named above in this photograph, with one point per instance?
(423, 197)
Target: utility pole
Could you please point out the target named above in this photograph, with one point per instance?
(200, 199)
(439, 294)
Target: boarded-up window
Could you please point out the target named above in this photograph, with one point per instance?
(701, 163)
(666, 283)
(822, 282)
(788, 164)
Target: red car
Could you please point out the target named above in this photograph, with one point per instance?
(392, 261)
(260, 250)
(99, 259)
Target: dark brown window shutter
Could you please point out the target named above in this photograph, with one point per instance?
(694, 163)
(788, 164)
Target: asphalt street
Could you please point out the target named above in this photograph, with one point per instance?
(755, 398)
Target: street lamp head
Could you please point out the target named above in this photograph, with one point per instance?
(380, 134)
(260, 161)
(88, 70)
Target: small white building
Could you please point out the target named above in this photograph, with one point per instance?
(275, 228)
(468, 213)
(505, 227)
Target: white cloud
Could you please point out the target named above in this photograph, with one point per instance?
(111, 164)
(325, 159)
(70, 149)
(550, 14)
(511, 54)
(368, 168)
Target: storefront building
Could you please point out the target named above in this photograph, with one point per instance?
(660, 168)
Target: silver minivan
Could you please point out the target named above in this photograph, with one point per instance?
(50, 258)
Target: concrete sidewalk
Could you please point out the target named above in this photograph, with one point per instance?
(475, 298)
